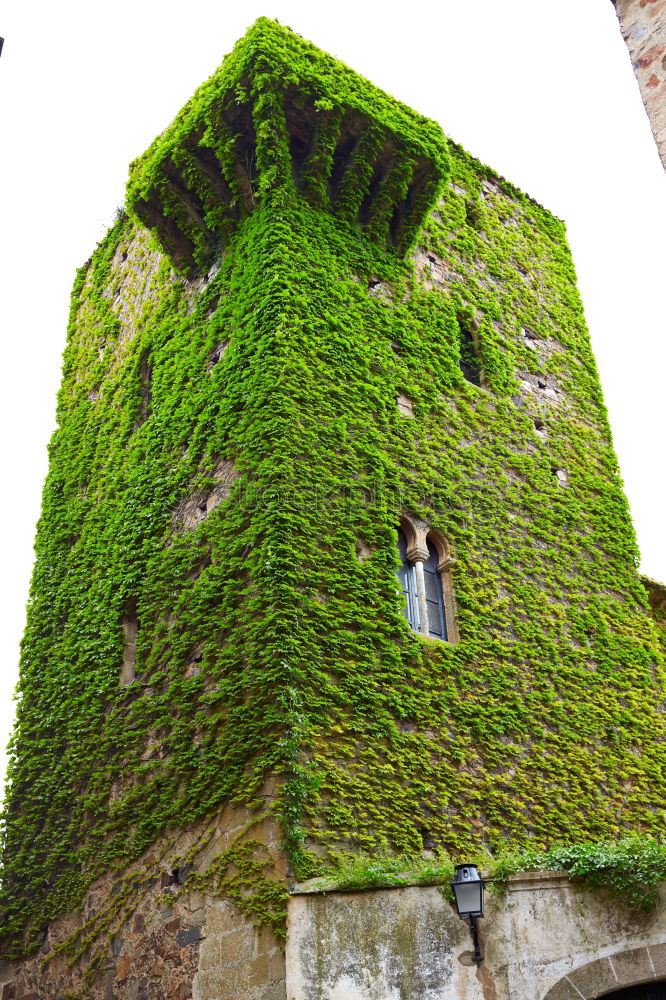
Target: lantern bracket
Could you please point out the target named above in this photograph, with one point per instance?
(478, 957)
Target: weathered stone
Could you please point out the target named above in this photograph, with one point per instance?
(197, 917)
(644, 29)
(405, 405)
(180, 991)
(221, 917)
(657, 954)
(123, 965)
(594, 978)
(541, 940)
(633, 967)
(563, 990)
(188, 936)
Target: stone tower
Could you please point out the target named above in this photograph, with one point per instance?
(643, 24)
(334, 563)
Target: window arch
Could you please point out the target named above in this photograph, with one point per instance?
(425, 580)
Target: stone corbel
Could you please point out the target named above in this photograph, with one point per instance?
(418, 552)
(375, 170)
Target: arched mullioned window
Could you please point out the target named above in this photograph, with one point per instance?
(425, 580)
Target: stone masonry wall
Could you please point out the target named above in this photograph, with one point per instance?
(159, 941)
(543, 939)
(643, 24)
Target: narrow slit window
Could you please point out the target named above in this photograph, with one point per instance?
(407, 578)
(130, 627)
(469, 357)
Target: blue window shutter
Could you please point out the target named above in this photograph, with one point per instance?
(407, 578)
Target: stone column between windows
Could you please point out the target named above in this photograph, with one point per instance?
(418, 554)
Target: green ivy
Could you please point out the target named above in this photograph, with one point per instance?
(633, 869)
(271, 641)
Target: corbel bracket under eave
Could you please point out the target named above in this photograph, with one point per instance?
(266, 135)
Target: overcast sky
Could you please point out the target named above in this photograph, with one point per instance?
(543, 92)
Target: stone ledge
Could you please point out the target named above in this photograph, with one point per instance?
(520, 882)
(547, 879)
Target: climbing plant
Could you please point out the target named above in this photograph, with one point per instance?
(270, 639)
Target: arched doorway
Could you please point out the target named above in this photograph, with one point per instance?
(635, 974)
(649, 991)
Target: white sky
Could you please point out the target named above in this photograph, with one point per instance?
(543, 92)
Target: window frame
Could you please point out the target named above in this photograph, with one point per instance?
(417, 535)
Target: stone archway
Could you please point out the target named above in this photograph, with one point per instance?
(648, 991)
(614, 977)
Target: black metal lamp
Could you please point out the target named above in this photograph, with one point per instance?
(468, 888)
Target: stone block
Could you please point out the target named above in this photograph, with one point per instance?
(222, 918)
(230, 980)
(190, 935)
(276, 965)
(658, 956)
(123, 966)
(563, 990)
(269, 991)
(257, 971)
(180, 991)
(197, 917)
(210, 953)
(632, 967)
(209, 984)
(237, 946)
(265, 939)
(594, 979)
(195, 899)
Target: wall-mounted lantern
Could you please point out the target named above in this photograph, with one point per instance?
(468, 888)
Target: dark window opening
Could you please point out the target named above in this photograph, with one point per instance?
(428, 841)
(472, 213)
(649, 991)
(469, 360)
(145, 390)
(130, 627)
(434, 595)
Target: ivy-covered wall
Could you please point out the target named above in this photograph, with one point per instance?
(214, 598)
